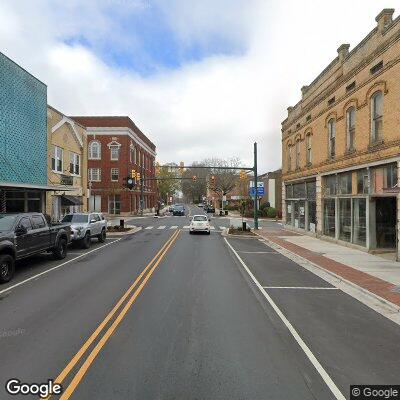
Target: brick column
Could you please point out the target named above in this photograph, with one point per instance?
(318, 185)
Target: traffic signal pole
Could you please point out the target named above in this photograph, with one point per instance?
(256, 188)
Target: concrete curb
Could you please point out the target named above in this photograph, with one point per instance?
(130, 232)
(295, 257)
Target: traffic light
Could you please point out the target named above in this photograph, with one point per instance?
(194, 178)
(133, 174)
(243, 175)
(138, 176)
(130, 182)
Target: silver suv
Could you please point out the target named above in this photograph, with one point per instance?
(84, 226)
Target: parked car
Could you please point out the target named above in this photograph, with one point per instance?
(209, 208)
(25, 234)
(199, 223)
(85, 226)
(201, 205)
(178, 209)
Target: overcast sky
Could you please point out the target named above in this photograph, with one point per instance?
(200, 78)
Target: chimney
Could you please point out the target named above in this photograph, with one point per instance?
(343, 51)
(304, 90)
(384, 19)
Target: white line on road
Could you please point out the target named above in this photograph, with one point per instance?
(161, 227)
(149, 227)
(186, 227)
(300, 287)
(222, 227)
(320, 369)
(173, 227)
(56, 267)
(212, 227)
(259, 252)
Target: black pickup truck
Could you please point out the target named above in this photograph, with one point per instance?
(25, 234)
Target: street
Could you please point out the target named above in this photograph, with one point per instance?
(162, 314)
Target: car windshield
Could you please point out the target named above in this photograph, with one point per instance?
(75, 218)
(6, 222)
(199, 218)
(178, 208)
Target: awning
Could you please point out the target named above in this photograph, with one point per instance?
(71, 200)
(29, 186)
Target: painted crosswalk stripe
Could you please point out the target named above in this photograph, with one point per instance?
(148, 227)
(161, 227)
(173, 227)
(212, 227)
(186, 227)
(222, 227)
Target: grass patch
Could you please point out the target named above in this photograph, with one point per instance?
(240, 231)
(117, 228)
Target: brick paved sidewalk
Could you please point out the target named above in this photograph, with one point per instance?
(378, 276)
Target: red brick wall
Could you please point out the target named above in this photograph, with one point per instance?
(107, 187)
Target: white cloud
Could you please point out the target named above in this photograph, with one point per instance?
(214, 107)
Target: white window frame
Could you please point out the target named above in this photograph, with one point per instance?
(75, 160)
(332, 138)
(57, 156)
(376, 117)
(91, 174)
(350, 129)
(297, 148)
(112, 172)
(90, 155)
(308, 149)
(114, 147)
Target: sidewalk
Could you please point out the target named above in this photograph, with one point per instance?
(377, 275)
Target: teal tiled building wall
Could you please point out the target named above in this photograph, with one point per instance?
(23, 125)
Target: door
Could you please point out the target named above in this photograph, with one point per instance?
(386, 217)
(40, 234)
(94, 226)
(24, 242)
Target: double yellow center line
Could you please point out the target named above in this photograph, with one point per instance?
(132, 293)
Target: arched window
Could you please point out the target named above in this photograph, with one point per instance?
(297, 153)
(376, 116)
(350, 127)
(94, 150)
(331, 137)
(308, 149)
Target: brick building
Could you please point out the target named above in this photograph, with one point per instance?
(116, 146)
(340, 145)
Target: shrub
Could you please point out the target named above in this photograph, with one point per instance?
(271, 212)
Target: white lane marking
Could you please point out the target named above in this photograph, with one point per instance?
(259, 252)
(161, 227)
(186, 227)
(320, 369)
(212, 227)
(149, 227)
(222, 227)
(173, 227)
(56, 267)
(300, 287)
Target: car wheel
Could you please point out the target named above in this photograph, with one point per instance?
(191, 232)
(86, 241)
(60, 251)
(7, 268)
(102, 236)
(209, 232)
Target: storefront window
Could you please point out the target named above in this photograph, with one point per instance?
(362, 181)
(312, 216)
(384, 177)
(359, 222)
(345, 219)
(311, 190)
(344, 181)
(330, 185)
(299, 190)
(302, 214)
(289, 212)
(296, 214)
(329, 217)
(289, 191)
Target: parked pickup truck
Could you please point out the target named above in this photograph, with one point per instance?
(25, 234)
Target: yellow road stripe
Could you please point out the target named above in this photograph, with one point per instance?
(93, 354)
(98, 330)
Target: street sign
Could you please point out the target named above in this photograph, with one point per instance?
(260, 191)
(259, 184)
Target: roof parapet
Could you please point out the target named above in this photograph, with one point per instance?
(384, 19)
(343, 51)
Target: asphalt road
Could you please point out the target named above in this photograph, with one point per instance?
(167, 315)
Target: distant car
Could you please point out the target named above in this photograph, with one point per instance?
(171, 208)
(84, 226)
(178, 210)
(199, 223)
(200, 205)
(209, 209)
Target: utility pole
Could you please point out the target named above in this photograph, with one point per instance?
(256, 188)
(141, 190)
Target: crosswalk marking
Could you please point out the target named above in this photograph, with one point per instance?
(148, 227)
(173, 227)
(212, 227)
(222, 227)
(161, 227)
(186, 227)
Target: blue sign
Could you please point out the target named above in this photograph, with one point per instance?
(260, 191)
